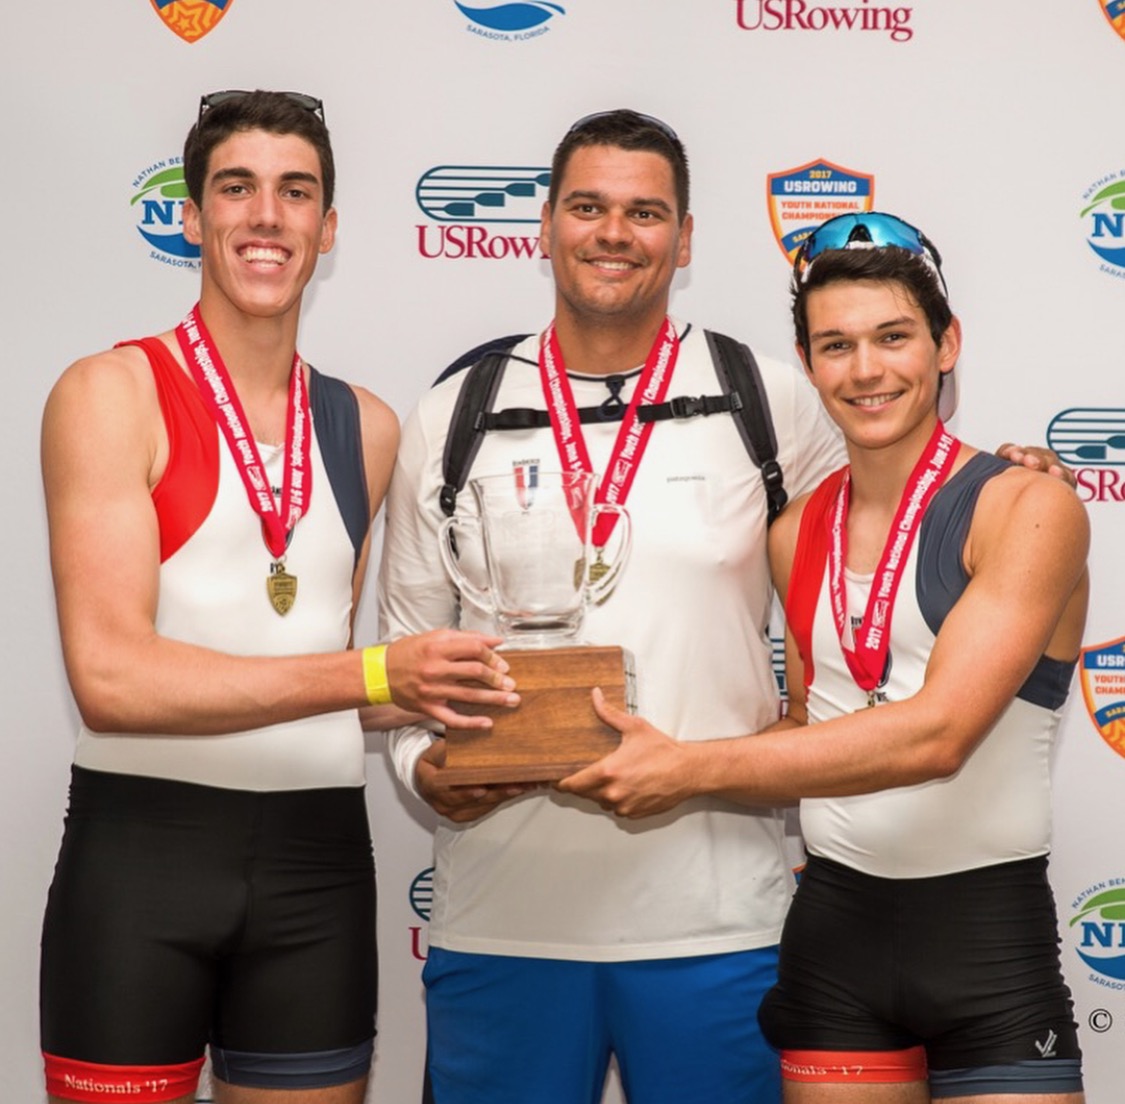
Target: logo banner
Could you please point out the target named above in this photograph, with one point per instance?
(801, 199)
(1114, 11)
(1102, 667)
(191, 19)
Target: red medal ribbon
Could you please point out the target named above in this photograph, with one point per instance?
(867, 661)
(219, 396)
(633, 435)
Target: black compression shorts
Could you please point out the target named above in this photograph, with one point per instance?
(966, 964)
(182, 915)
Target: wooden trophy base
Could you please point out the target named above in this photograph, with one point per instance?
(554, 730)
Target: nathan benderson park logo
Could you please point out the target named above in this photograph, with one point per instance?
(510, 22)
(1103, 217)
(1098, 931)
(158, 201)
(481, 212)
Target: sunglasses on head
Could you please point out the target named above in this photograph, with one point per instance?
(301, 99)
(652, 121)
(865, 230)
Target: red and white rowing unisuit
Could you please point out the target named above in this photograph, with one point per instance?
(213, 594)
(997, 807)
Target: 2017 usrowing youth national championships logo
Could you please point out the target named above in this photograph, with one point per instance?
(801, 199)
(191, 19)
(158, 199)
(1098, 931)
(1102, 668)
(475, 211)
(510, 22)
(1114, 11)
(1103, 217)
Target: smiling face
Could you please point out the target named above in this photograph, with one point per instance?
(261, 226)
(615, 237)
(874, 361)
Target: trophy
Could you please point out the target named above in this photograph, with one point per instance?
(531, 562)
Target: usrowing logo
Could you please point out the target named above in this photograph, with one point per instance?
(801, 199)
(158, 199)
(801, 15)
(1098, 930)
(510, 22)
(1091, 440)
(461, 200)
(422, 893)
(191, 19)
(421, 897)
(1114, 11)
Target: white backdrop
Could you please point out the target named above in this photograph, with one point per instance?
(995, 127)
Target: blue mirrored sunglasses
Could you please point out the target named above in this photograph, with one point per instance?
(652, 121)
(301, 99)
(868, 229)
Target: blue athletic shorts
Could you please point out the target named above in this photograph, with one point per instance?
(508, 1030)
(182, 915)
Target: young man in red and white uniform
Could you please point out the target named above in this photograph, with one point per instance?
(210, 496)
(935, 599)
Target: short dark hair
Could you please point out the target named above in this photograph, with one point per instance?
(886, 265)
(276, 112)
(628, 130)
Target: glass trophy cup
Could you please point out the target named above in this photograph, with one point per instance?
(527, 555)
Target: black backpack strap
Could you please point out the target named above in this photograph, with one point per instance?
(744, 396)
(524, 417)
(496, 345)
(688, 406)
(739, 376)
(485, 366)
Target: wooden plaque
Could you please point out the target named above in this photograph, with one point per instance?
(554, 730)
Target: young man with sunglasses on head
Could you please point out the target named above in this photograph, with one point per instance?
(935, 598)
(209, 497)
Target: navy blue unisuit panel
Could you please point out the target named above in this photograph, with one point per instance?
(942, 577)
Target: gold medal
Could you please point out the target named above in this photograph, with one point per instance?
(221, 399)
(593, 575)
(281, 587)
(599, 570)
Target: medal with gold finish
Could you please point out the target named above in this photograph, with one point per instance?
(221, 399)
(281, 587)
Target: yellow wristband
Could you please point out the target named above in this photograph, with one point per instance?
(375, 675)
